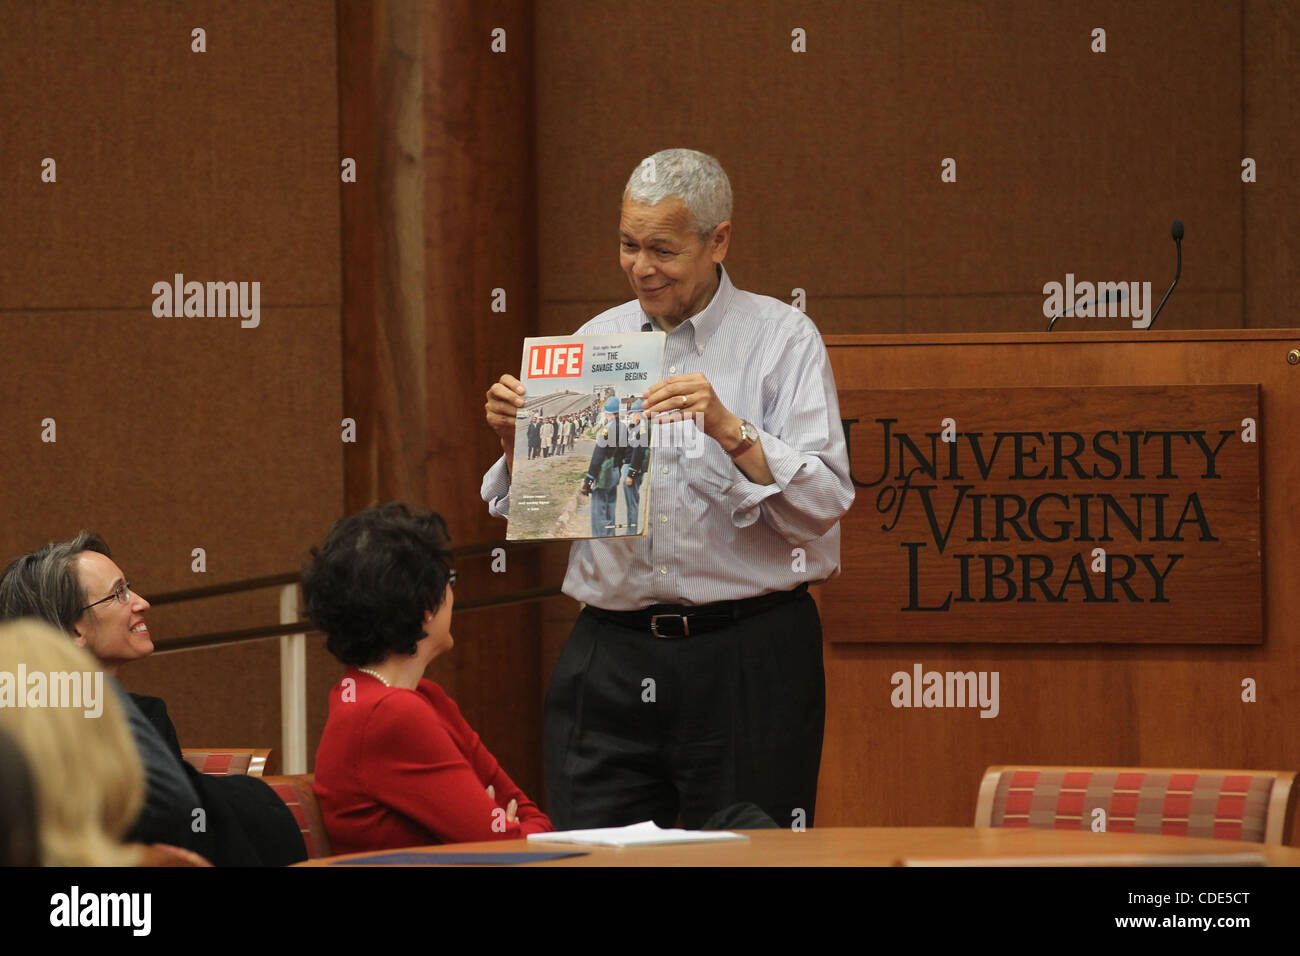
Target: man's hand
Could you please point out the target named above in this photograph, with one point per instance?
(693, 395)
(586, 487)
(504, 399)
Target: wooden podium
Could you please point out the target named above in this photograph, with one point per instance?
(1124, 576)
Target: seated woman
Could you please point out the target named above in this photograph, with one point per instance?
(77, 586)
(397, 764)
(86, 773)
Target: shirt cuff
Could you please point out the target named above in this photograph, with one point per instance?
(744, 497)
(496, 489)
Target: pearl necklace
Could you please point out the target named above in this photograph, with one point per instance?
(376, 675)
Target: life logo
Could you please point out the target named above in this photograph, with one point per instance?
(555, 361)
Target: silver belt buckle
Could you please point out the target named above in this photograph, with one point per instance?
(654, 625)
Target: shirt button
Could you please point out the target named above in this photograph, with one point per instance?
(663, 518)
(665, 469)
(745, 516)
(663, 569)
(672, 370)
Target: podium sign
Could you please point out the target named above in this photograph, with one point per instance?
(1049, 515)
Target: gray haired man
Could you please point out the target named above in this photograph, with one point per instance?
(692, 679)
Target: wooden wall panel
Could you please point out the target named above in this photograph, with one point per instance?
(220, 165)
(1271, 107)
(381, 128)
(1068, 160)
(441, 216)
(174, 433)
(612, 90)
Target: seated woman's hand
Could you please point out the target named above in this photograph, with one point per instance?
(511, 809)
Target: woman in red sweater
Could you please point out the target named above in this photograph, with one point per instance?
(397, 764)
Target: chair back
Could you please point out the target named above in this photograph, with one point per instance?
(298, 796)
(1253, 806)
(227, 761)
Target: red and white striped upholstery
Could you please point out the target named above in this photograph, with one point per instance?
(1247, 805)
(227, 761)
(298, 796)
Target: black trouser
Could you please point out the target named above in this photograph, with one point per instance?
(640, 727)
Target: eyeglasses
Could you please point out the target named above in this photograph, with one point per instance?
(122, 594)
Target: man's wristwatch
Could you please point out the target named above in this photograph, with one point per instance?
(748, 436)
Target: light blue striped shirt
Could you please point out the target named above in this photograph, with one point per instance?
(711, 533)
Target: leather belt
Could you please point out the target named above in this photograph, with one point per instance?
(687, 620)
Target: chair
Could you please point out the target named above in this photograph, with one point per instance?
(1248, 805)
(227, 761)
(298, 796)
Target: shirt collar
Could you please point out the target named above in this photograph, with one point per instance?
(706, 322)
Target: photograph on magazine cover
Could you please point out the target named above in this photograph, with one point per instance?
(582, 444)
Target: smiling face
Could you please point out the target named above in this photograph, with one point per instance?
(114, 632)
(672, 270)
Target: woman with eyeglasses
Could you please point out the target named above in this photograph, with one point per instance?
(76, 586)
(397, 764)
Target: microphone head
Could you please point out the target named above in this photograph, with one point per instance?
(1177, 230)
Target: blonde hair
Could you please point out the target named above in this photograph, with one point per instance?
(86, 771)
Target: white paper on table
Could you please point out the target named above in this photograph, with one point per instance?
(638, 834)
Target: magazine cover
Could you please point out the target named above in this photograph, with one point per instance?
(582, 446)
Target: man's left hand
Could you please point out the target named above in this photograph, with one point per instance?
(693, 395)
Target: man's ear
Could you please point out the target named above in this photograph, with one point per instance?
(80, 639)
(720, 241)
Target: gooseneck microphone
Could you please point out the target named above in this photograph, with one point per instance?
(1176, 230)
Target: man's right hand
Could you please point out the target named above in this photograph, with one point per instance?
(504, 399)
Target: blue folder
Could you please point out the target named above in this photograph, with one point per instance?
(407, 858)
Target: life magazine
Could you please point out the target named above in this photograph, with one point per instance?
(582, 444)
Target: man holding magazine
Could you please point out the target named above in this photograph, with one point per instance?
(692, 679)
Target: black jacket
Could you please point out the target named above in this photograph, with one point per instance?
(169, 797)
(244, 822)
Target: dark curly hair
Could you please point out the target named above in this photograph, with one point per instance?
(368, 586)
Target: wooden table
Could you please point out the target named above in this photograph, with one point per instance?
(903, 846)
